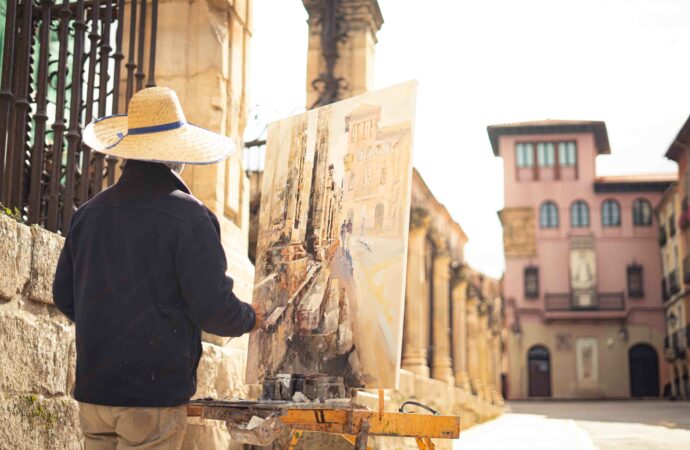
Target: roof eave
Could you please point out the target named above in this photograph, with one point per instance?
(597, 128)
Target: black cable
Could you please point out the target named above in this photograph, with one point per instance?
(412, 402)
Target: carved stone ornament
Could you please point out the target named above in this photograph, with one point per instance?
(419, 218)
(519, 231)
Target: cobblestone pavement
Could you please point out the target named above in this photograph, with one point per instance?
(612, 425)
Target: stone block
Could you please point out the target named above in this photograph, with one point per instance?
(15, 257)
(35, 355)
(45, 252)
(221, 373)
(33, 422)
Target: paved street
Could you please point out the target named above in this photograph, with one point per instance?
(625, 425)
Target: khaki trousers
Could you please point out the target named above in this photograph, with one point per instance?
(128, 428)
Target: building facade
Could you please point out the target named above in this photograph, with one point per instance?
(677, 250)
(581, 285)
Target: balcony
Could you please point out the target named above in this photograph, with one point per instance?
(676, 344)
(662, 236)
(603, 301)
(665, 293)
(673, 285)
(672, 225)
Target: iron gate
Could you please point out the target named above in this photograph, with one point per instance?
(63, 64)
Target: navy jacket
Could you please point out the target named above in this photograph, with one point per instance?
(141, 274)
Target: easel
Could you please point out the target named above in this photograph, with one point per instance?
(354, 423)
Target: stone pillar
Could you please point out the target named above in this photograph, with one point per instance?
(441, 368)
(473, 343)
(414, 356)
(459, 325)
(354, 58)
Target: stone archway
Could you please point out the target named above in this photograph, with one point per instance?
(539, 371)
(644, 371)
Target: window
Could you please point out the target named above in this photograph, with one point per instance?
(642, 212)
(524, 155)
(531, 282)
(610, 213)
(351, 183)
(567, 154)
(579, 214)
(548, 215)
(360, 155)
(546, 155)
(383, 175)
(635, 284)
(370, 153)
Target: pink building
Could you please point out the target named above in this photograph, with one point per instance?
(583, 273)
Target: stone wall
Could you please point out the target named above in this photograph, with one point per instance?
(36, 344)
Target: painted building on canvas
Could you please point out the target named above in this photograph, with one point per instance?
(373, 164)
(581, 284)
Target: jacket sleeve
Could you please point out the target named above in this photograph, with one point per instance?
(63, 287)
(206, 289)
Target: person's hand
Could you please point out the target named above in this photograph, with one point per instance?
(259, 319)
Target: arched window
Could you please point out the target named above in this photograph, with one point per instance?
(548, 215)
(642, 212)
(579, 214)
(611, 213)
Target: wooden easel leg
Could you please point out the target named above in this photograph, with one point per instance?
(294, 439)
(420, 443)
(363, 436)
(429, 445)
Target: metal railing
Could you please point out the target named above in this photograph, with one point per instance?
(603, 301)
(665, 291)
(62, 67)
(663, 238)
(673, 285)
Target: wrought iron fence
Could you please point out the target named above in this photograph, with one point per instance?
(62, 66)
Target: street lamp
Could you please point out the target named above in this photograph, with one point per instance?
(623, 332)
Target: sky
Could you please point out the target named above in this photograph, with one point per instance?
(487, 62)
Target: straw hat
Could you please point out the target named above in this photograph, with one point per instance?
(156, 130)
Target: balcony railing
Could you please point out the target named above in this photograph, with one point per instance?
(676, 344)
(665, 292)
(603, 301)
(672, 225)
(662, 236)
(673, 284)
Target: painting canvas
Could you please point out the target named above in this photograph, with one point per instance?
(332, 243)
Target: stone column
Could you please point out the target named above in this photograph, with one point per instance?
(441, 368)
(473, 342)
(459, 325)
(354, 54)
(414, 356)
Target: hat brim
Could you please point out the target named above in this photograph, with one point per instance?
(187, 144)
